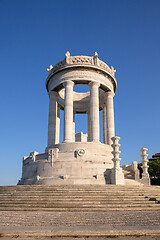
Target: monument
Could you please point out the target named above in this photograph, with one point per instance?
(85, 160)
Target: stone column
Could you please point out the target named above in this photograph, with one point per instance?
(54, 120)
(88, 113)
(109, 117)
(116, 159)
(73, 127)
(57, 124)
(104, 125)
(145, 175)
(68, 111)
(94, 111)
(144, 162)
(117, 176)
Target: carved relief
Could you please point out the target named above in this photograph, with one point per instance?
(52, 155)
(33, 156)
(81, 152)
(81, 60)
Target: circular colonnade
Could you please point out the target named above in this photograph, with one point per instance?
(75, 70)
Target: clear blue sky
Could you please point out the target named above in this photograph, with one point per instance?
(36, 33)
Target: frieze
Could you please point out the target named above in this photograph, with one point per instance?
(69, 60)
(81, 59)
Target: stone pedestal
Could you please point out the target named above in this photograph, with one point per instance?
(135, 170)
(81, 137)
(69, 163)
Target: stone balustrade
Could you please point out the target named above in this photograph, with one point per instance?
(86, 60)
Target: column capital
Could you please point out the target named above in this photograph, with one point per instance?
(115, 138)
(109, 94)
(68, 83)
(90, 84)
(52, 94)
(144, 150)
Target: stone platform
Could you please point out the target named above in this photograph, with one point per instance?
(82, 212)
(69, 163)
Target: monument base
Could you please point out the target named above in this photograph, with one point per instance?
(69, 163)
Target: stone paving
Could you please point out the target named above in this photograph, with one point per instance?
(80, 220)
(90, 238)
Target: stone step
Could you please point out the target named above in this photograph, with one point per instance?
(77, 192)
(89, 209)
(52, 199)
(76, 198)
(78, 205)
(97, 197)
(75, 186)
(71, 189)
(49, 198)
(98, 189)
(113, 200)
(145, 197)
(58, 196)
(82, 188)
(93, 234)
(78, 188)
(116, 196)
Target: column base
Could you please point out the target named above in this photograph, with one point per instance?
(96, 141)
(67, 141)
(117, 176)
(145, 180)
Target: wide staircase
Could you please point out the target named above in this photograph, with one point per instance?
(79, 211)
(78, 198)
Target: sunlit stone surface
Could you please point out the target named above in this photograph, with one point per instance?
(86, 160)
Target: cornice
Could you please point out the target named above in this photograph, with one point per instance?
(82, 62)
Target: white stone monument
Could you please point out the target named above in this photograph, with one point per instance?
(84, 161)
